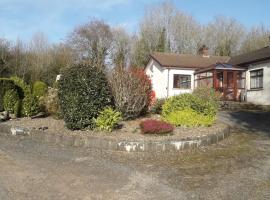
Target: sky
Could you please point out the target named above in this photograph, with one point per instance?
(56, 18)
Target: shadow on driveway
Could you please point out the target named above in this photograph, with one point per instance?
(253, 121)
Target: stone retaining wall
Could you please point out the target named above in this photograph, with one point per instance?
(118, 144)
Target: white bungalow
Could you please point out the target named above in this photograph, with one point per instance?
(241, 78)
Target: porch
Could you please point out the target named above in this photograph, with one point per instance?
(229, 80)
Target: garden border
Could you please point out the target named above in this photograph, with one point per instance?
(117, 144)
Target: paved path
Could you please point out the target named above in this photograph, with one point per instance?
(237, 168)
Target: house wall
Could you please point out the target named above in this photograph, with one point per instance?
(160, 76)
(175, 91)
(261, 97)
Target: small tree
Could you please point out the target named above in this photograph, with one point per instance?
(132, 92)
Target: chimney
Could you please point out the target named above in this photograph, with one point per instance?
(204, 51)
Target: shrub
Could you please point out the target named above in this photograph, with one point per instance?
(5, 85)
(132, 92)
(156, 107)
(39, 89)
(30, 105)
(18, 109)
(25, 88)
(208, 95)
(50, 102)
(11, 97)
(183, 101)
(108, 119)
(179, 102)
(198, 109)
(189, 118)
(83, 93)
(155, 127)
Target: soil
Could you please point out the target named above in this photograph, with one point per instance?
(129, 130)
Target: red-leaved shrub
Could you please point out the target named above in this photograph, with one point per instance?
(132, 92)
(155, 127)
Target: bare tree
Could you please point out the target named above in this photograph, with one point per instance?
(224, 36)
(186, 34)
(92, 42)
(5, 47)
(257, 37)
(120, 47)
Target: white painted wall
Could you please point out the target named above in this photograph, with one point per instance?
(174, 91)
(160, 76)
(261, 97)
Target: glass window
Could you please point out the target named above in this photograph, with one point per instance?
(256, 79)
(181, 81)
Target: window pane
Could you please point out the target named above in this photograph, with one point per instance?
(256, 79)
(182, 81)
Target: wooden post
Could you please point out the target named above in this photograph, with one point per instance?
(225, 84)
(235, 85)
(215, 79)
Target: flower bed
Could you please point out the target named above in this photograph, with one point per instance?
(130, 129)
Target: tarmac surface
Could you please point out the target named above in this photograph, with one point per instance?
(236, 168)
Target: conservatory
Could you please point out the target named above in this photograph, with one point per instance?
(229, 80)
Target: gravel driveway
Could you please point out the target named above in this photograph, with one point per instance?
(237, 168)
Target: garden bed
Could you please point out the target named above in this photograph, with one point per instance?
(130, 129)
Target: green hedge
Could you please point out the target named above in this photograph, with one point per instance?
(83, 92)
(11, 97)
(190, 109)
(39, 89)
(189, 118)
(7, 84)
(27, 102)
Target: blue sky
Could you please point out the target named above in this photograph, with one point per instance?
(56, 18)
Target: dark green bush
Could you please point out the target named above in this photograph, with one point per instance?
(5, 85)
(108, 119)
(8, 84)
(83, 93)
(11, 97)
(30, 104)
(39, 89)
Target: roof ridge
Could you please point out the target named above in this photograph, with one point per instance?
(187, 54)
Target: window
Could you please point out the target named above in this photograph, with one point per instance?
(256, 79)
(181, 81)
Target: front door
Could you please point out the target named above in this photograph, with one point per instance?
(227, 84)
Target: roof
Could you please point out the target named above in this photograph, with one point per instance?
(187, 60)
(251, 57)
(220, 66)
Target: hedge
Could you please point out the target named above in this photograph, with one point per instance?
(83, 92)
(5, 85)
